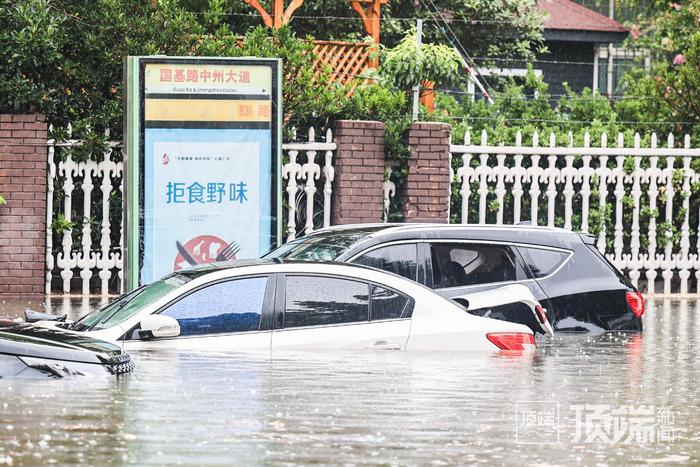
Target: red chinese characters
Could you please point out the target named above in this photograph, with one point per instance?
(166, 75)
(204, 75)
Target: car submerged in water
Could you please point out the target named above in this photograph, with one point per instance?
(578, 286)
(275, 304)
(28, 351)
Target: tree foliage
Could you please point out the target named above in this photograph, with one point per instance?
(502, 28)
(672, 92)
(407, 65)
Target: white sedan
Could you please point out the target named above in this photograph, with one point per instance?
(267, 304)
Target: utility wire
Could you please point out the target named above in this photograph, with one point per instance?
(556, 62)
(599, 97)
(502, 95)
(562, 122)
(357, 18)
(473, 71)
(461, 47)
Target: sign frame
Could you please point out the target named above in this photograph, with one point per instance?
(134, 151)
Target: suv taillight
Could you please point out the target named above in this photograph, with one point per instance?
(541, 313)
(512, 340)
(636, 303)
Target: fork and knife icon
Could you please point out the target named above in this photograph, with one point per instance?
(227, 254)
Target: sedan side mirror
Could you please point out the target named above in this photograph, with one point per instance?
(159, 326)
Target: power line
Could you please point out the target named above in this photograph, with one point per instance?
(550, 97)
(556, 62)
(383, 18)
(600, 97)
(461, 47)
(473, 71)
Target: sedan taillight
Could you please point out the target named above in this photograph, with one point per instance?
(636, 303)
(512, 340)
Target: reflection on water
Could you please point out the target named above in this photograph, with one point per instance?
(580, 399)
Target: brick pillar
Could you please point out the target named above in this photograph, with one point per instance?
(23, 219)
(425, 197)
(358, 192)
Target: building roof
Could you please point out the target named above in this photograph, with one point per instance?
(567, 20)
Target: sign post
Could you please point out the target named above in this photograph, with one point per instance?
(203, 142)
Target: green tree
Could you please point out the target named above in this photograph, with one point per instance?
(504, 28)
(672, 92)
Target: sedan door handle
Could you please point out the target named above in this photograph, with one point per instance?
(384, 345)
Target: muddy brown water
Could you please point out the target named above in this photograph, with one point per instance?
(584, 400)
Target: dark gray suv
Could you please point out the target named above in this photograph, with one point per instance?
(580, 288)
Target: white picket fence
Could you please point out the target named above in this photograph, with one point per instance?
(550, 185)
(99, 177)
(498, 181)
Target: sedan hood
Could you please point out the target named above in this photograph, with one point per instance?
(26, 340)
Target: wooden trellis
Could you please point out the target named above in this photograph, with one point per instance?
(347, 59)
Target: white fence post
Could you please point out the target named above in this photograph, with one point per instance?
(107, 258)
(535, 172)
(668, 261)
(389, 189)
(49, 212)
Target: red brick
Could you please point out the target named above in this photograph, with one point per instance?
(23, 221)
(11, 125)
(34, 157)
(19, 149)
(25, 117)
(34, 125)
(359, 176)
(38, 141)
(24, 134)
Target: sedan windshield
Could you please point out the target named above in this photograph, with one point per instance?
(126, 306)
(321, 247)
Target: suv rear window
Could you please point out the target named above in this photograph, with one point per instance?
(462, 264)
(543, 262)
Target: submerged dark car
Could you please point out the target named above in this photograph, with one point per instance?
(579, 287)
(28, 351)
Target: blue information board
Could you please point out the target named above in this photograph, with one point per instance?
(209, 163)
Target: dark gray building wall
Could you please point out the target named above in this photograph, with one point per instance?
(575, 67)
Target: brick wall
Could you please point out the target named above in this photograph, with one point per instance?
(23, 219)
(425, 197)
(358, 191)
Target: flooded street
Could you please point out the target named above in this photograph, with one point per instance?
(578, 400)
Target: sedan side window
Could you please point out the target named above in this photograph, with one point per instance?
(543, 262)
(456, 264)
(387, 304)
(399, 259)
(317, 301)
(224, 307)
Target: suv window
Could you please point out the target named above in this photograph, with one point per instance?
(460, 264)
(231, 306)
(317, 301)
(387, 304)
(542, 262)
(399, 259)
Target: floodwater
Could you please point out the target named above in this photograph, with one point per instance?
(610, 399)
